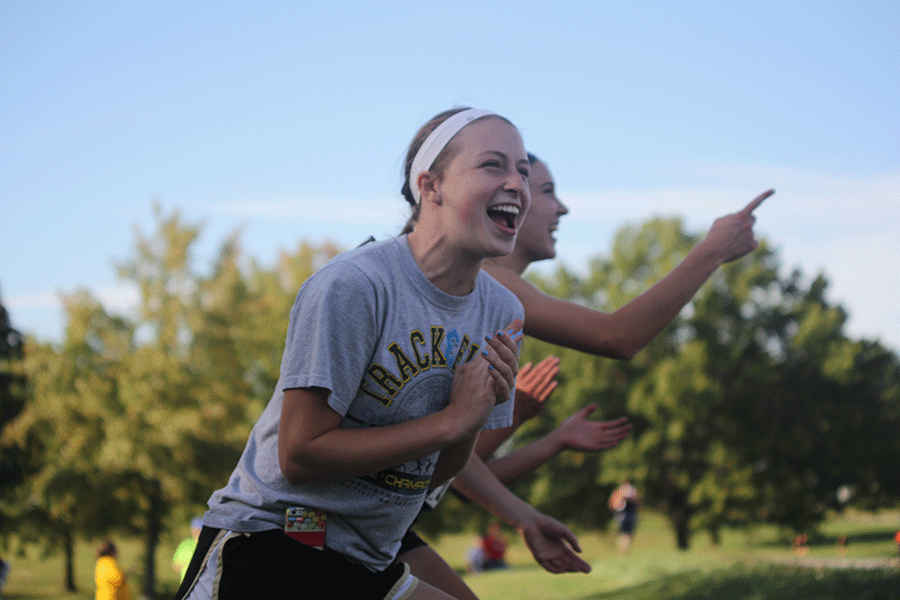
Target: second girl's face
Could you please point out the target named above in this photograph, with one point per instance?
(536, 241)
(484, 191)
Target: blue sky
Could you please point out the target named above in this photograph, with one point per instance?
(289, 121)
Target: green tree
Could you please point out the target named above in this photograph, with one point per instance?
(753, 406)
(73, 393)
(206, 365)
(829, 417)
(136, 420)
(12, 401)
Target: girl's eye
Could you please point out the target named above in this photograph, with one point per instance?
(492, 163)
(525, 173)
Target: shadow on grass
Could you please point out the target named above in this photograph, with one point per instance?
(769, 583)
(830, 539)
(859, 537)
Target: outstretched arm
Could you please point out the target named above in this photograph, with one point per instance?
(621, 334)
(576, 433)
(552, 544)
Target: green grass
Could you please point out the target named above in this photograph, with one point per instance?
(758, 564)
(36, 577)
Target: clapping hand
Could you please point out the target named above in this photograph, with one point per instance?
(533, 386)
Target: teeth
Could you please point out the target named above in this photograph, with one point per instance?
(506, 208)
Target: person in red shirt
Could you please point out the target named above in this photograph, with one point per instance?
(493, 545)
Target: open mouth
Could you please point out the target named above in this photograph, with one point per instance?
(504, 216)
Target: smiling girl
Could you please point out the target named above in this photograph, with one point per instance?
(397, 354)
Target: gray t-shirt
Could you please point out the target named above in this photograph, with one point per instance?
(372, 330)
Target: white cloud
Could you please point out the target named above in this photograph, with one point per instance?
(42, 314)
(40, 300)
(119, 299)
(115, 298)
(804, 199)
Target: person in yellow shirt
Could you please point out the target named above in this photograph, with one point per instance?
(182, 557)
(111, 583)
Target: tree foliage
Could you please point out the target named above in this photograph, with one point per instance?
(136, 419)
(753, 406)
(12, 400)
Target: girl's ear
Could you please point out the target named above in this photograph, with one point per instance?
(429, 187)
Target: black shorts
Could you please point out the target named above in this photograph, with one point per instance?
(627, 522)
(269, 564)
(410, 541)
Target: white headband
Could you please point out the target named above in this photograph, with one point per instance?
(437, 141)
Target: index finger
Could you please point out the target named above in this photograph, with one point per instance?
(756, 202)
